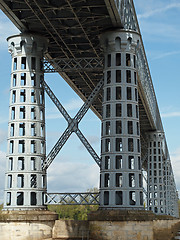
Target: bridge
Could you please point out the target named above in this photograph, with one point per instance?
(97, 48)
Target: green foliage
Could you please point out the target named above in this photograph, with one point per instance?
(1, 207)
(2, 217)
(72, 212)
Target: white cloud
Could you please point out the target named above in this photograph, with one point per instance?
(54, 116)
(159, 10)
(170, 114)
(73, 104)
(157, 22)
(160, 31)
(66, 176)
(166, 54)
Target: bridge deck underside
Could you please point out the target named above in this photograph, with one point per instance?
(73, 29)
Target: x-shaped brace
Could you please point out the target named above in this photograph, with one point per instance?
(72, 125)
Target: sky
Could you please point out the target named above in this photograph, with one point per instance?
(73, 169)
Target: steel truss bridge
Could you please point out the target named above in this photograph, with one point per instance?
(73, 28)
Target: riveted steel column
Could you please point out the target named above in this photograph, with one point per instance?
(156, 189)
(171, 192)
(25, 183)
(167, 181)
(121, 175)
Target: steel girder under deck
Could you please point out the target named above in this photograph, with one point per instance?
(73, 29)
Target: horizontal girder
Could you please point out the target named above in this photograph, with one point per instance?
(74, 64)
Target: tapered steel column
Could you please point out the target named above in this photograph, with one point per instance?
(168, 185)
(157, 185)
(25, 183)
(171, 193)
(121, 175)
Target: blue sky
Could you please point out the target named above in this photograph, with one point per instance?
(74, 169)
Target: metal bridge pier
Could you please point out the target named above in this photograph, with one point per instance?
(171, 193)
(156, 197)
(25, 183)
(162, 198)
(121, 170)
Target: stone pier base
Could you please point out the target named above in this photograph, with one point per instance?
(26, 225)
(131, 225)
(102, 225)
(134, 230)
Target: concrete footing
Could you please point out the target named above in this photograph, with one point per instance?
(102, 225)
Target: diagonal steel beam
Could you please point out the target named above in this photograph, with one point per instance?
(73, 125)
(89, 101)
(88, 147)
(57, 147)
(56, 101)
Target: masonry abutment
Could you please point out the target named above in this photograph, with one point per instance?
(25, 182)
(121, 171)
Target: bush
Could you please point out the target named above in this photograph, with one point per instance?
(1, 207)
(72, 212)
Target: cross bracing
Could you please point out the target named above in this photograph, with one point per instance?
(72, 125)
(89, 198)
(74, 64)
(73, 29)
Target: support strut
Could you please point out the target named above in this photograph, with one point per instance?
(72, 125)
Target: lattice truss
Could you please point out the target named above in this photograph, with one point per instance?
(73, 64)
(128, 17)
(91, 198)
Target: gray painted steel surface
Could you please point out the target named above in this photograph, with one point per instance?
(73, 29)
(121, 175)
(25, 183)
